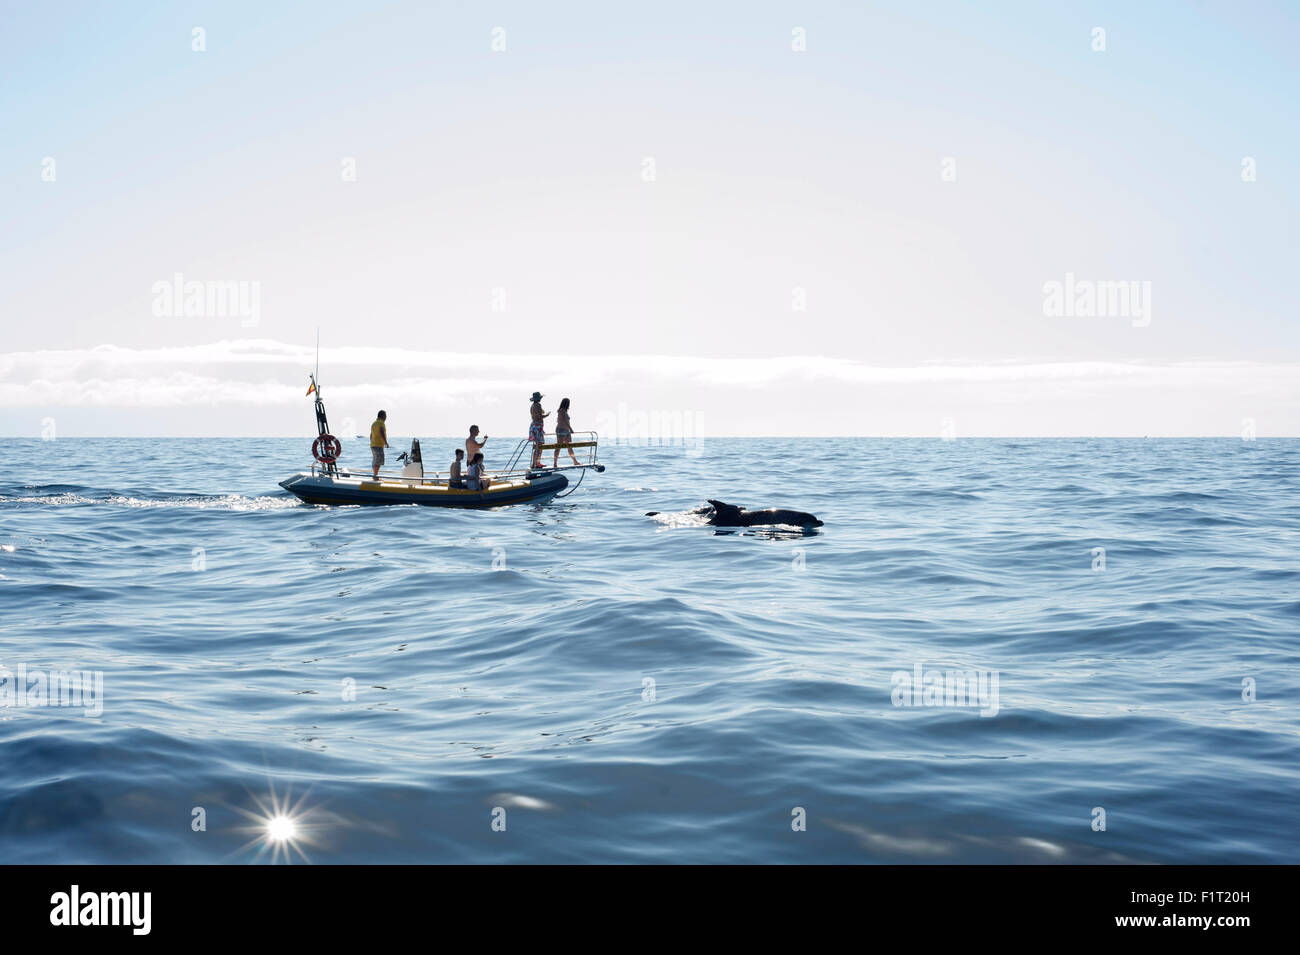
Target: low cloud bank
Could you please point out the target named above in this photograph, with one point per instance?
(258, 386)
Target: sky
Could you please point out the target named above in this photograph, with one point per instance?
(724, 218)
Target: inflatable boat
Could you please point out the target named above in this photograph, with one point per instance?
(318, 486)
(329, 483)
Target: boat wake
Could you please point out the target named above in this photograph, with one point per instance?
(72, 495)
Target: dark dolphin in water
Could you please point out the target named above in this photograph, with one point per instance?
(721, 514)
(729, 515)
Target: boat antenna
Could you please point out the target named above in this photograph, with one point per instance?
(317, 375)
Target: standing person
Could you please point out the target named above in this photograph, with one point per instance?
(454, 478)
(378, 441)
(537, 430)
(563, 432)
(472, 444)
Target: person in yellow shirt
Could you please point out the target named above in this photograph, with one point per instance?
(378, 441)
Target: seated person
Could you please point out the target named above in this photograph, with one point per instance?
(455, 480)
(477, 480)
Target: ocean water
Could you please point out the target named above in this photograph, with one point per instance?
(577, 682)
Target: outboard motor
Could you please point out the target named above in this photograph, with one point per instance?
(414, 463)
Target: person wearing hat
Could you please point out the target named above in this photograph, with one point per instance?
(537, 430)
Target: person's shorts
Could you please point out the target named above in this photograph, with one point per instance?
(457, 485)
(377, 457)
(536, 434)
(563, 435)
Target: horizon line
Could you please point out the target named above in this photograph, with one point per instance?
(671, 443)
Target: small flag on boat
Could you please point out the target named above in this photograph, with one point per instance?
(311, 388)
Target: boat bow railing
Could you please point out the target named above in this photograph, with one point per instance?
(583, 443)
